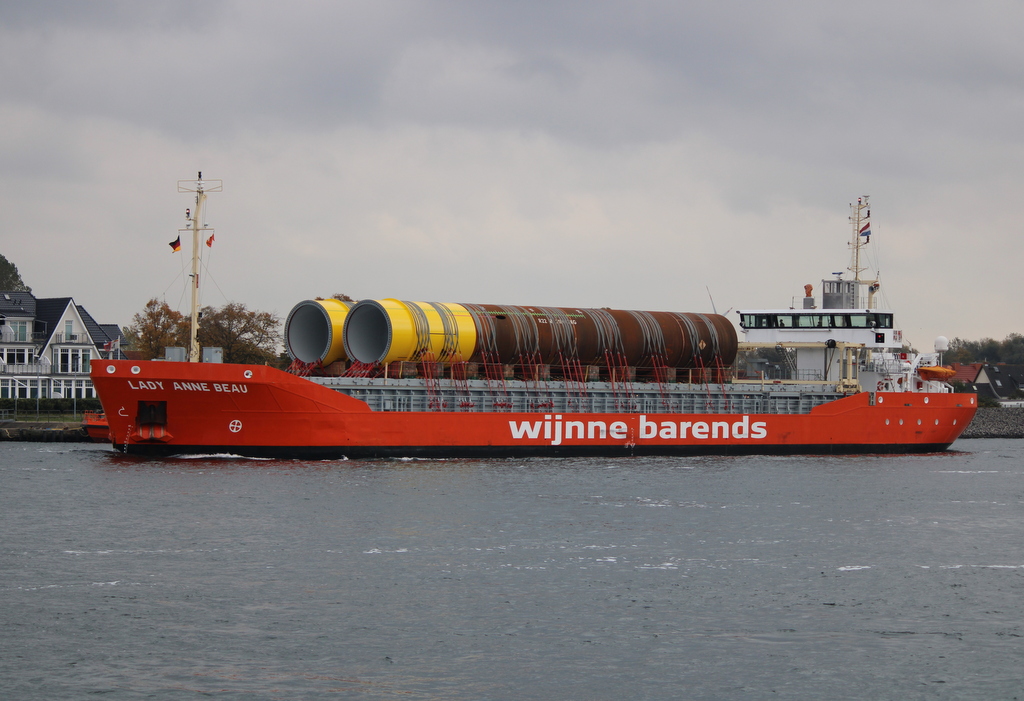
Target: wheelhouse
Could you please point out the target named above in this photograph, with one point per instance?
(818, 319)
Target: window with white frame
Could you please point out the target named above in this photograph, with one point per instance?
(72, 360)
(19, 331)
(21, 389)
(14, 356)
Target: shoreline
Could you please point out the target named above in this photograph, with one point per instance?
(43, 432)
(993, 422)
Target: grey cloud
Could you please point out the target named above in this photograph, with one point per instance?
(784, 80)
(107, 14)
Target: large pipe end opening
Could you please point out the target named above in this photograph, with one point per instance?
(308, 333)
(367, 334)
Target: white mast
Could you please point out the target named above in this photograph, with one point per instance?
(860, 218)
(200, 187)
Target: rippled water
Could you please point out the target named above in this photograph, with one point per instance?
(648, 578)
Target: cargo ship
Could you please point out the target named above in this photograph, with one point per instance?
(388, 378)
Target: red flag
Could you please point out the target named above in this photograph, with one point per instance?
(175, 244)
(209, 241)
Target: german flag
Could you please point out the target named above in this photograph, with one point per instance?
(175, 244)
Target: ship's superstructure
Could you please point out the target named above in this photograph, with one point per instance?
(846, 341)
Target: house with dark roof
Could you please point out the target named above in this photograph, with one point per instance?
(998, 381)
(47, 345)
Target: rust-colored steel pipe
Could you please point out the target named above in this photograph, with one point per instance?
(384, 331)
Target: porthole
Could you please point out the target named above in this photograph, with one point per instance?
(111, 369)
(926, 400)
(936, 422)
(136, 369)
(954, 422)
(247, 374)
(972, 400)
(887, 422)
(919, 422)
(901, 422)
(881, 399)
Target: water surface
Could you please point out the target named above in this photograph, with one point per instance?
(647, 578)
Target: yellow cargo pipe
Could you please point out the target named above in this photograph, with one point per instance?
(388, 330)
(314, 330)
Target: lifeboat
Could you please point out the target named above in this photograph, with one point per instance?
(936, 372)
(96, 425)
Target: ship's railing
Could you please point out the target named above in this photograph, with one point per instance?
(886, 366)
(803, 375)
(558, 397)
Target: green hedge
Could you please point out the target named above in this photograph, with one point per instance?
(52, 405)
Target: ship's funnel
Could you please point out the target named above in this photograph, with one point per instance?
(313, 330)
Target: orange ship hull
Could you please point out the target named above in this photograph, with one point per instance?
(95, 425)
(165, 408)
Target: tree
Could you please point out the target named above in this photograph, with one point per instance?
(156, 327)
(1010, 350)
(10, 278)
(129, 339)
(960, 351)
(246, 336)
(1013, 349)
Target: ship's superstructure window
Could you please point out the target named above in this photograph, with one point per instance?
(816, 321)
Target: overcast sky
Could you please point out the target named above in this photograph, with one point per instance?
(641, 155)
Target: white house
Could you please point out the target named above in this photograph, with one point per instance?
(47, 345)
